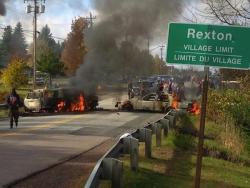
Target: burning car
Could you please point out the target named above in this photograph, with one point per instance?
(59, 100)
(150, 102)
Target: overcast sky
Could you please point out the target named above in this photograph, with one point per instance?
(58, 15)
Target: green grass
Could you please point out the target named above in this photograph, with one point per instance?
(173, 164)
(173, 167)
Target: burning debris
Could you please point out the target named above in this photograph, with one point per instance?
(75, 105)
(194, 108)
(60, 100)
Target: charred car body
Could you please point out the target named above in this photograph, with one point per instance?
(59, 100)
(150, 102)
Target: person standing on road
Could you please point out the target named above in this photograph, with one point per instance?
(130, 89)
(14, 103)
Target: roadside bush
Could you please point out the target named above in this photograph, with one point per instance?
(184, 142)
(233, 142)
(3, 96)
(13, 75)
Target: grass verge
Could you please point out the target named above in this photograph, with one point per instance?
(173, 165)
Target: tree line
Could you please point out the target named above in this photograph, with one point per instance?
(65, 58)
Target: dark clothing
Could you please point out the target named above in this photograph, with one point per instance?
(159, 91)
(130, 90)
(170, 87)
(13, 115)
(180, 94)
(14, 103)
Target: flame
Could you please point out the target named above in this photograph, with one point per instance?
(175, 103)
(60, 106)
(195, 108)
(78, 105)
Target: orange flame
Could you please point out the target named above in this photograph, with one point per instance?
(60, 106)
(175, 103)
(195, 108)
(77, 106)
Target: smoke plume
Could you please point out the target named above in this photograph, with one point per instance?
(2, 7)
(119, 39)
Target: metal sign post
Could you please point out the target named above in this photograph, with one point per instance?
(202, 129)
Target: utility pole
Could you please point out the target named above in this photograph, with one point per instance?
(161, 48)
(148, 46)
(36, 7)
(90, 20)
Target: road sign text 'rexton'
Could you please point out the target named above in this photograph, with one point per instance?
(211, 45)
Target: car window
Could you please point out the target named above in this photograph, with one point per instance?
(150, 97)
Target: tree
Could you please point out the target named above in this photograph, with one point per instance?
(5, 46)
(19, 46)
(14, 74)
(75, 50)
(50, 64)
(46, 43)
(229, 12)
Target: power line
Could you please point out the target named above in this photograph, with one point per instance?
(90, 20)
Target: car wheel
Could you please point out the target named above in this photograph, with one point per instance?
(127, 106)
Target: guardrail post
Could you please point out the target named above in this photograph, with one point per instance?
(131, 146)
(172, 120)
(165, 125)
(112, 170)
(145, 135)
(157, 129)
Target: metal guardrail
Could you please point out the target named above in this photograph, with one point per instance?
(3, 106)
(110, 168)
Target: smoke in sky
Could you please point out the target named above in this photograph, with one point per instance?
(2, 7)
(123, 23)
(122, 26)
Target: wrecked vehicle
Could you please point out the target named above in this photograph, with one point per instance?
(59, 100)
(150, 102)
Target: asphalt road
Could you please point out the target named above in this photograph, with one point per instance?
(40, 142)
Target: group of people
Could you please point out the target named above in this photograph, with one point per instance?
(161, 87)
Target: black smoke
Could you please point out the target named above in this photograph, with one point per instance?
(119, 39)
(2, 7)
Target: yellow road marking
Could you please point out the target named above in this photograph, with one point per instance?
(58, 122)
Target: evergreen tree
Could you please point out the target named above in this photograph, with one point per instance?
(5, 46)
(19, 46)
(50, 64)
(46, 35)
(46, 44)
(75, 50)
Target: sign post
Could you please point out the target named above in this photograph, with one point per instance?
(202, 129)
(207, 45)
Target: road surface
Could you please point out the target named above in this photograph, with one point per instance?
(40, 142)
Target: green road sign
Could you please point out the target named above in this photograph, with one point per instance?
(210, 45)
